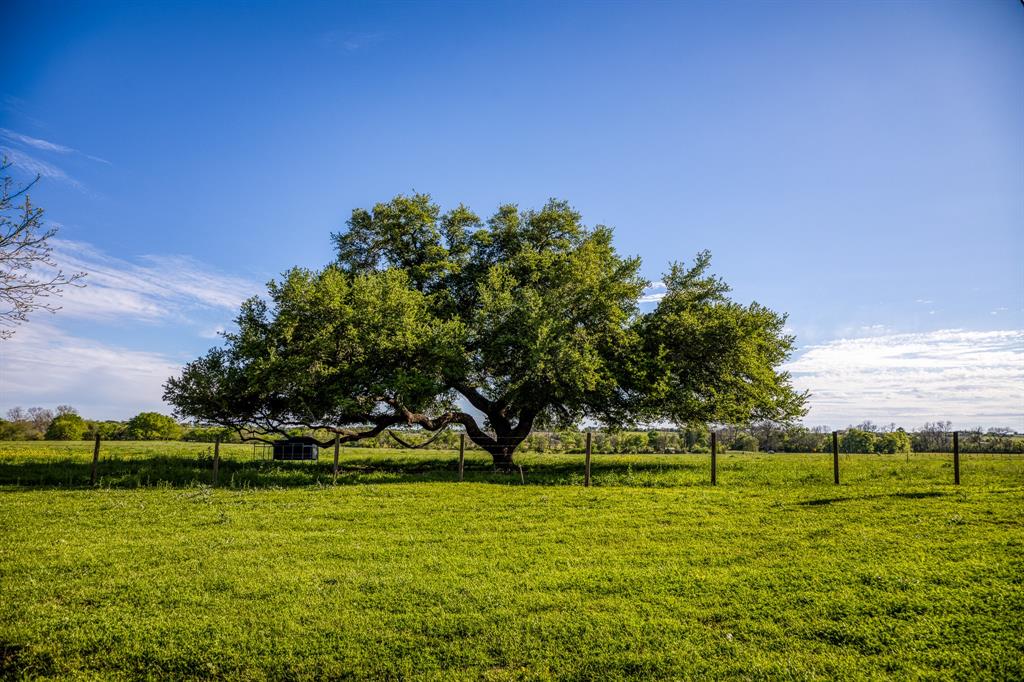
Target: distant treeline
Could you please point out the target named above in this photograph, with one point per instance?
(37, 423)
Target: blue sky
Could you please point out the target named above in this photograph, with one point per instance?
(858, 166)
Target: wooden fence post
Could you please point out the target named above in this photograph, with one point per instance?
(956, 457)
(835, 457)
(586, 477)
(216, 458)
(462, 456)
(714, 458)
(95, 460)
(337, 446)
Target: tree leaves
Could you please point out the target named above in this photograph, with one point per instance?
(532, 317)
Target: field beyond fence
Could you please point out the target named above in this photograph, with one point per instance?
(398, 571)
(130, 464)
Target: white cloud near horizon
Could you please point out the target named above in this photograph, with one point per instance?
(154, 289)
(42, 365)
(971, 378)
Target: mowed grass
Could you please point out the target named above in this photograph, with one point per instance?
(399, 571)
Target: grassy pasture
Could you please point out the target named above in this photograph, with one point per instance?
(399, 572)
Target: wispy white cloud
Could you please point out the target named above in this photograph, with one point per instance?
(45, 145)
(970, 377)
(42, 365)
(34, 166)
(653, 293)
(35, 142)
(154, 289)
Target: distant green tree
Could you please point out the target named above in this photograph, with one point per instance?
(536, 442)
(27, 424)
(67, 426)
(107, 430)
(802, 439)
(933, 437)
(12, 429)
(893, 442)
(857, 441)
(696, 437)
(152, 426)
(744, 442)
(671, 442)
(571, 440)
(769, 435)
(1002, 439)
(633, 443)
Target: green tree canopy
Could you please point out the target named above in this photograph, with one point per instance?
(67, 426)
(858, 440)
(744, 442)
(893, 442)
(530, 317)
(152, 426)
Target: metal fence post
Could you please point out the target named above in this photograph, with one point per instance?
(95, 460)
(586, 477)
(337, 446)
(462, 456)
(835, 457)
(714, 458)
(956, 457)
(216, 458)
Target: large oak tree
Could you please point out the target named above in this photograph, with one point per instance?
(531, 318)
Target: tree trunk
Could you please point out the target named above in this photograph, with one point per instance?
(507, 437)
(503, 459)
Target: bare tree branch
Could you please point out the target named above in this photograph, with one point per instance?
(24, 250)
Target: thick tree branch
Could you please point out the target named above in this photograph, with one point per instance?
(475, 398)
(524, 426)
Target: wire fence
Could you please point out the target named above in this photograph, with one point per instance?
(697, 441)
(140, 464)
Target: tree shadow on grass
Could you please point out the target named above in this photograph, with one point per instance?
(178, 472)
(825, 501)
(16, 659)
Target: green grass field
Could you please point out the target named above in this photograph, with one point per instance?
(399, 571)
